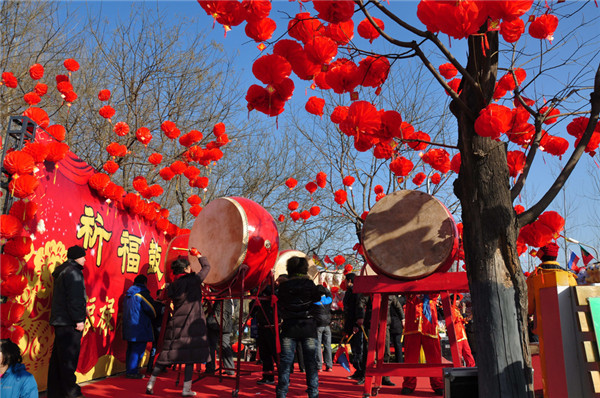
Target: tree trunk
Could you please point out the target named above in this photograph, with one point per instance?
(497, 284)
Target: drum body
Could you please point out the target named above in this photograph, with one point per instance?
(232, 231)
(409, 235)
(281, 265)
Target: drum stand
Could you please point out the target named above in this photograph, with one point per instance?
(381, 287)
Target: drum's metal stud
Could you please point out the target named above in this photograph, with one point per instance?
(267, 244)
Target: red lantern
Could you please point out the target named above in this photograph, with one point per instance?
(36, 71)
(23, 210)
(339, 260)
(363, 117)
(104, 95)
(115, 149)
(37, 115)
(121, 129)
(348, 181)
(19, 162)
(143, 135)
(419, 178)
(13, 286)
(99, 181)
(552, 220)
(516, 162)
(166, 173)
(10, 226)
(57, 131)
(281, 218)
(401, 166)
(348, 268)
(194, 200)
(321, 179)
(295, 216)
(315, 210)
(271, 69)
(378, 189)
(155, 158)
(111, 167)
(178, 167)
(321, 50)
(195, 210)
(334, 11)
(511, 31)
(438, 159)
(340, 197)
(543, 27)
(339, 114)
(549, 119)
(341, 32)
(10, 265)
(553, 145)
(315, 106)
(436, 178)
(373, 71)
(32, 98)
(191, 172)
(106, 111)
(170, 129)
(448, 70)
(455, 163)
(19, 246)
(343, 76)
(311, 187)
(493, 121)
(256, 9)
(305, 215)
(293, 205)
(291, 183)
(9, 80)
(508, 9)
(140, 183)
(71, 65)
(366, 30)
(41, 89)
(303, 27)
(23, 186)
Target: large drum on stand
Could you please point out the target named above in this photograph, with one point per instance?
(281, 265)
(235, 233)
(409, 235)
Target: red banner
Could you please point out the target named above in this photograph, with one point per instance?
(119, 247)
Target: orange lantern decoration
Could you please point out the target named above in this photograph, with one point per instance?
(121, 129)
(40, 89)
(19, 162)
(143, 135)
(155, 158)
(10, 226)
(71, 65)
(31, 98)
(104, 95)
(57, 131)
(111, 167)
(98, 181)
(106, 112)
(13, 286)
(9, 80)
(170, 129)
(116, 149)
(23, 210)
(10, 265)
(19, 246)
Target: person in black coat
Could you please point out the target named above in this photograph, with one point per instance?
(263, 313)
(185, 339)
(395, 327)
(356, 322)
(68, 319)
(296, 298)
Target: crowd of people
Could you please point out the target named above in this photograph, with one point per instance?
(198, 330)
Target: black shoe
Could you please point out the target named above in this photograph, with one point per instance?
(134, 375)
(328, 369)
(387, 382)
(360, 381)
(406, 391)
(265, 380)
(149, 391)
(229, 372)
(438, 391)
(354, 376)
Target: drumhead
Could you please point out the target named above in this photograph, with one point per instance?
(220, 232)
(280, 267)
(409, 235)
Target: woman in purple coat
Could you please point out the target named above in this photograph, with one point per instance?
(185, 339)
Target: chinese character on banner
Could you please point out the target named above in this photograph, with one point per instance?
(154, 257)
(90, 319)
(92, 228)
(105, 321)
(129, 251)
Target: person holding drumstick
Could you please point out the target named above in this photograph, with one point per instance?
(185, 340)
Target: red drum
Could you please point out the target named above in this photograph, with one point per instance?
(281, 265)
(232, 231)
(409, 235)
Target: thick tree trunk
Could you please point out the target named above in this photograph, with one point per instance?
(498, 290)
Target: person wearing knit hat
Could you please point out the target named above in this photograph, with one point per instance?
(548, 274)
(68, 315)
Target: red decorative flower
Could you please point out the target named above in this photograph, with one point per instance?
(71, 65)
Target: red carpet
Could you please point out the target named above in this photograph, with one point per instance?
(331, 385)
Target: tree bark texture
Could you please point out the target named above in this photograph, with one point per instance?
(497, 284)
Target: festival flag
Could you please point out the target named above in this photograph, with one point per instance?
(342, 359)
(587, 257)
(573, 261)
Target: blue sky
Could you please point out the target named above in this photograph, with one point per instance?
(578, 199)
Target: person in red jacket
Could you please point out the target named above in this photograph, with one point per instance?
(421, 330)
(461, 337)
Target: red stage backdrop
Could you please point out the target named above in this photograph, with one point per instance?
(119, 247)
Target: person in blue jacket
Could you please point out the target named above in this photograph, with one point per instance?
(15, 381)
(138, 315)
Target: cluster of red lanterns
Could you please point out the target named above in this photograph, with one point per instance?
(545, 229)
